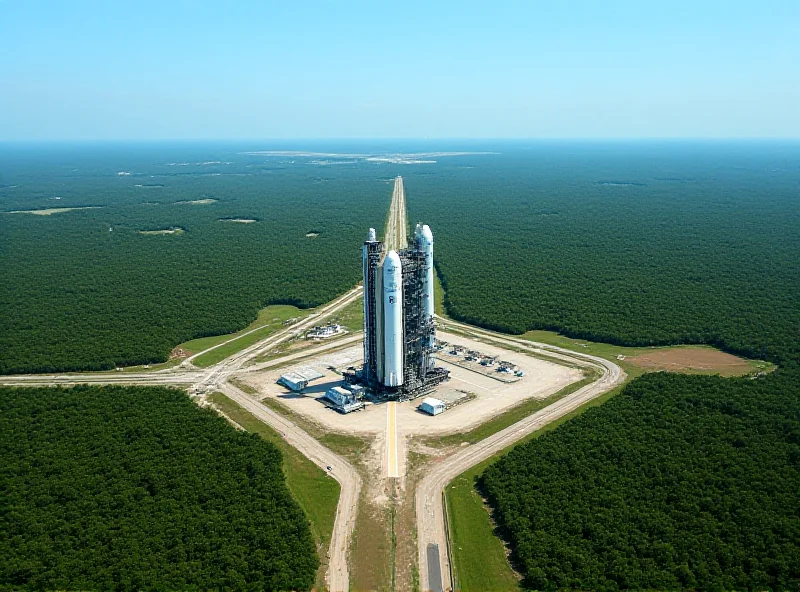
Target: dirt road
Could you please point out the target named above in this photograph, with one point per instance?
(181, 378)
(396, 237)
(431, 530)
(337, 577)
(392, 445)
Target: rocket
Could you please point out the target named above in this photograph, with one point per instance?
(393, 320)
(393, 360)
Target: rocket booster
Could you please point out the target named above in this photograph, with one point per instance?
(393, 320)
(424, 238)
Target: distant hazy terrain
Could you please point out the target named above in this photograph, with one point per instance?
(636, 243)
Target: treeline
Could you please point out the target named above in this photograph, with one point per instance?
(83, 290)
(680, 482)
(112, 488)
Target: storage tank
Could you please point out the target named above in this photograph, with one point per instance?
(393, 320)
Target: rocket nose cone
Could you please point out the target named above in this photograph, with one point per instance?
(426, 232)
(393, 258)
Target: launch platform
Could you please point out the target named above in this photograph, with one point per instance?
(399, 333)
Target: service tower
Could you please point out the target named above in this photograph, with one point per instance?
(398, 318)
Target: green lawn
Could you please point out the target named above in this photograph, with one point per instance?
(270, 319)
(314, 490)
(479, 556)
(438, 296)
(351, 316)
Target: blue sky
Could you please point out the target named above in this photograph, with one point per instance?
(254, 70)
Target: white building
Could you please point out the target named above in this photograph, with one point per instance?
(298, 379)
(343, 400)
(432, 406)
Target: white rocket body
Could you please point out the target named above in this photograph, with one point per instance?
(424, 238)
(393, 320)
(426, 244)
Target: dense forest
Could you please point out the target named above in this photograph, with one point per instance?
(85, 290)
(642, 243)
(112, 488)
(680, 482)
(654, 243)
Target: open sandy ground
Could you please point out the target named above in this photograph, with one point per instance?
(692, 359)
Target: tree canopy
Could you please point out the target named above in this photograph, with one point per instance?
(680, 482)
(137, 488)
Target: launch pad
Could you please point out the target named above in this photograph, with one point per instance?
(398, 320)
(490, 393)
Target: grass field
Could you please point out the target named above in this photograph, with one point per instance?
(479, 556)
(314, 490)
(351, 316)
(270, 319)
(438, 296)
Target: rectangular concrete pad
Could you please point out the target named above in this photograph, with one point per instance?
(434, 569)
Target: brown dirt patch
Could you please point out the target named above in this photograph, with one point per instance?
(179, 353)
(692, 360)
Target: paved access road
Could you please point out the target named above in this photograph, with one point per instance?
(431, 528)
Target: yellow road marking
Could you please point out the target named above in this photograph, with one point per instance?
(392, 462)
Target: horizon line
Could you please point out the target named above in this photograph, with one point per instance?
(404, 139)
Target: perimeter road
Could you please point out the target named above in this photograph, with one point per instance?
(431, 527)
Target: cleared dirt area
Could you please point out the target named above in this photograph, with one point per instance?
(164, 231)
(699, 360)
(198, 202)
(51, 211)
